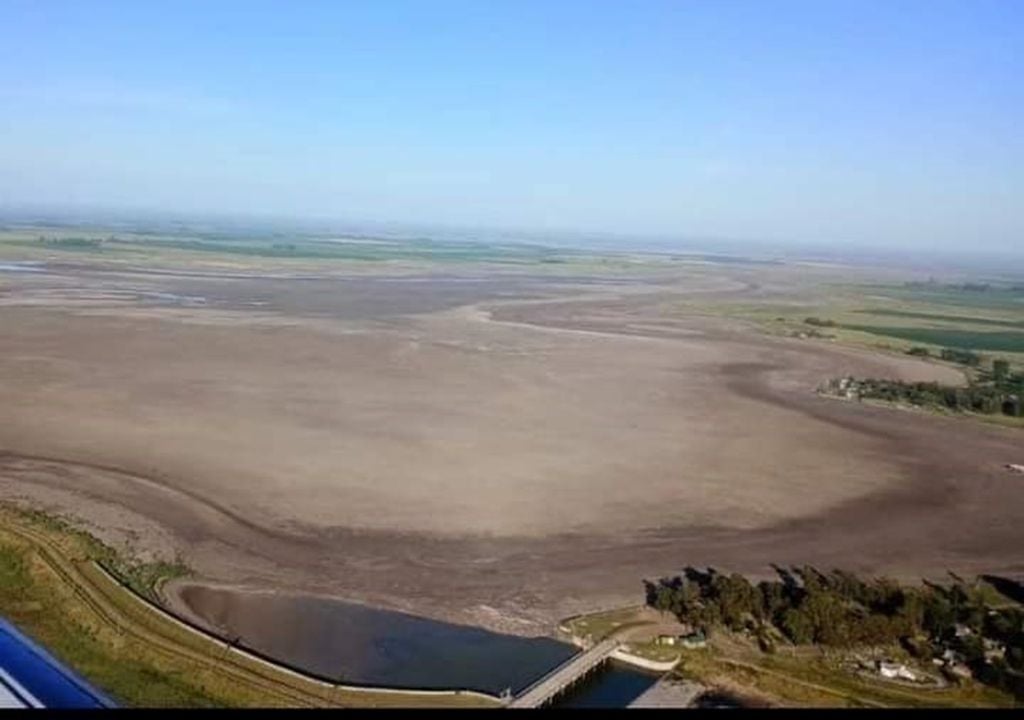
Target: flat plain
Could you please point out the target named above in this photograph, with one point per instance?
(496, 443)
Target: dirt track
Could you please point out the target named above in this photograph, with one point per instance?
(503, 464)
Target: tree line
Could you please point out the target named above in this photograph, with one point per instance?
(986, 399)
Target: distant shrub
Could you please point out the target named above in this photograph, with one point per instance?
(1000, 370)
(819, 322)
(73, 243)
(964, 357)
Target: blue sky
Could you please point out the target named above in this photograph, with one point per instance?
(875, 122)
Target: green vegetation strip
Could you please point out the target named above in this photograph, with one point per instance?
(974, 340)
(52, 589)
(970, 319)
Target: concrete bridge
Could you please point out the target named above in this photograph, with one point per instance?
(565, 675)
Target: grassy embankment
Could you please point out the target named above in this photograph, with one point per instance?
(811, 677)
(593, 628)
(52, 588)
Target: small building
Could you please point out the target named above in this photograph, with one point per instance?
(1015, 468)
(896, 671)
(687, 640)
(863, 663)
(950, 656)
(960, 670)
(994, 650)
(694, 640)
(962, 631)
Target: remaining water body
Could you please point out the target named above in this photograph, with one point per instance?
(21, 267)
(613, 686)
(364, 645)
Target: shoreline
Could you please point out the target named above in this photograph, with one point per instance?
(191, 624)
(112, 604)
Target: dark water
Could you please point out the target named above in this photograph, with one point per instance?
(363, 645)
(715, 699)
(614, 686)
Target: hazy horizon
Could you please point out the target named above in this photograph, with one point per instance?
(853, 126)
(945, 263)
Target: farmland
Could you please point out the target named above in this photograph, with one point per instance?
(1000, 342)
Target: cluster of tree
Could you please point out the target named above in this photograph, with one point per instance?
(1003, 378)
(964, 357)
(839, 609)
(1001, 372)
(980, 398)
(956, 355)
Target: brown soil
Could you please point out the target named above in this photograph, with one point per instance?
(506, 463)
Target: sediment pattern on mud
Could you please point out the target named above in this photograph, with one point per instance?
(495, 466)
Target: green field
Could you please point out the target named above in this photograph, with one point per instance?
(1010, 342)
(1004, 297)
(932, 317)
(893, 317)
